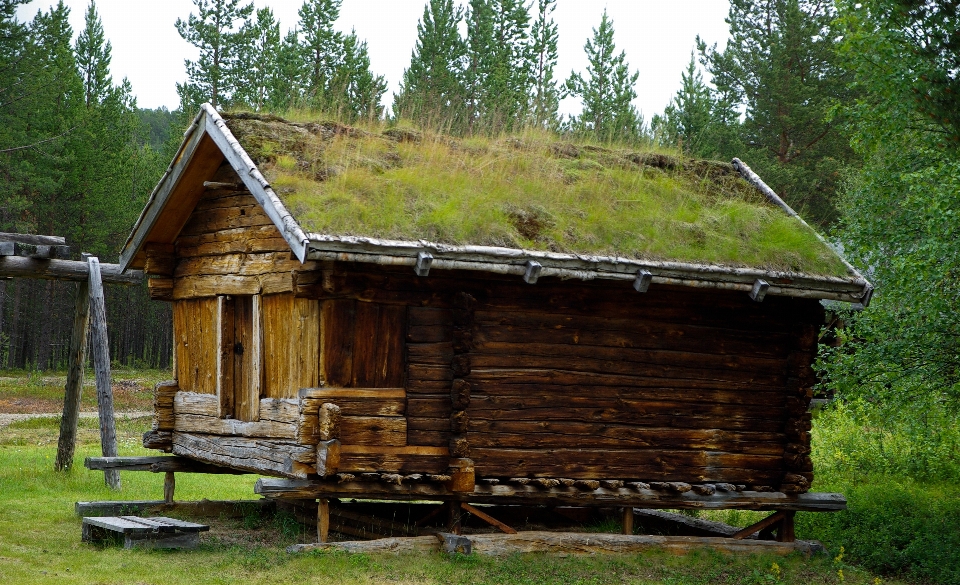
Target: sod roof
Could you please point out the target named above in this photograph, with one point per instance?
(533, 191)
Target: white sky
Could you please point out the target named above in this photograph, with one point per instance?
(657, 36)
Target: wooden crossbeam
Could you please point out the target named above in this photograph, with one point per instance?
(557, 496)
(765, 523)
(487, 518)
(21, 267)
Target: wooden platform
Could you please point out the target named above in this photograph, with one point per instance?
(557, 496)
(207, 508)
(156, 532)
(561, 542)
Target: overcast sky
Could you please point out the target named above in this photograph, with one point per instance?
(657, 36)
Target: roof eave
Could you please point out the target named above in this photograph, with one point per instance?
(851, 289)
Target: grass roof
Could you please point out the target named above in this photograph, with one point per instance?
(531, 191)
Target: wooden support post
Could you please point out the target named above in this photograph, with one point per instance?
(169, 485)
(75, 365)
(323, 520)
(453, 523)
(627, 520)
(101, 367)
(787, 532)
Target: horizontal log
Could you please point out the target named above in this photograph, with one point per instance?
(429, 406)
(430, 438)
(334, 394)
(640, 335)
(566, 543)
(557, 496)
(429, 424)
(416, 386)
(526, 409)
(75, 270)
(237, 264)
(205, 508)
(434, 354)
(192, 287)
(491, 355)
(155, 465)
(224, 218)
(561, 377)
(436, 373)
(160, 289)
(531, 434)
(646, 464)
(383, 462)
(33, 239)
(361, 406)
(388, 431)
(505, 397)
(266, 457)
(39, 251)
(418, 316)
(192, 423)
(430, 333)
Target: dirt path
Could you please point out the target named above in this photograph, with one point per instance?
(7, 418)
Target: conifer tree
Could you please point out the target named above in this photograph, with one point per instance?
(780, 67)
(93, 58)
(696, 121)
(286, 88)
(322, 50)
(214, 30)
(498, 75)
(257, 60)
(607, 90)
(545, 97)
(432, 90)
(357, 89)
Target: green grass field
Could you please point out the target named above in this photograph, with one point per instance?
(906, 531)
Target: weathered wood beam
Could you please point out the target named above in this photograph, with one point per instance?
(159, 464)
(75, 365)
(487, 518)
(101, 369)
(759, 526)
(217, 508)
(568, 542)
(33, 239)
(18, 266)
(558, 496)
(38, 251)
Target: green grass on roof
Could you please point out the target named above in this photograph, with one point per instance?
(532, 191)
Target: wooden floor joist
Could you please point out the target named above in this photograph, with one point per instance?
(568, 543)
(558, 496)
(158, 464)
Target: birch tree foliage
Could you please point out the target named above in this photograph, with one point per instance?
(902, 211)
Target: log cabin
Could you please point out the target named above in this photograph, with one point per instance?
(393, 307)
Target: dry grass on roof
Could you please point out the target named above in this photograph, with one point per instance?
(532, 191)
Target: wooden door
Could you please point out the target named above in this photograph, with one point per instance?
(241, 345)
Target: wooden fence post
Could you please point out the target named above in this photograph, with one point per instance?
(101, 367)
(77, 361)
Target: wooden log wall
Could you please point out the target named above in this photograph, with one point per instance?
(597, 381)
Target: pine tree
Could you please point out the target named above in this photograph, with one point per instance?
(322, 51)
(257, 60)
(286, 89)
(545, 97)
(432, 90)
(780, 67)
(359, 90)
(499, 64)
(688, 121)
(607, 91)
(93, 58)
(214, 30)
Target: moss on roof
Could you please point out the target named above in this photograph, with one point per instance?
(532, 191)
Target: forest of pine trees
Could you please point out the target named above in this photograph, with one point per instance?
(840, 106)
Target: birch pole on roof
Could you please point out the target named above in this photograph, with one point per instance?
(101, 368)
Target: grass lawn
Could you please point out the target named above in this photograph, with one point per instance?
(40, 535)
(27, 391)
